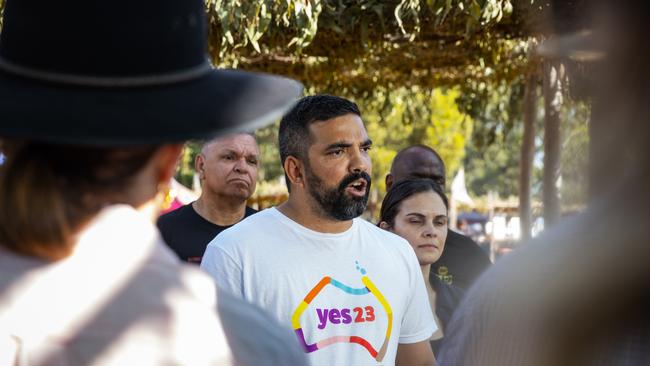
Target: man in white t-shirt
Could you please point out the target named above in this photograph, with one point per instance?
(353, 293)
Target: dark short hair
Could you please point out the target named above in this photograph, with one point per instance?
(294, 136)
(399, 192)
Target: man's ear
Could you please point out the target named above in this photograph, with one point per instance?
(293, 168)
(199, 165)
(384, 225)
(168, 157)
(389, 181)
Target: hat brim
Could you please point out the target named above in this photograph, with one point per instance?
(221, 102)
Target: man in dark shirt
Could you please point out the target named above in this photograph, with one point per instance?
(227, 169)
(462, 260)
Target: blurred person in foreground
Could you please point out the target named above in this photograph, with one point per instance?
(227, 169)
(463, 260)
(352, 292)
(417, 210)
(96, 99)
(579, 293)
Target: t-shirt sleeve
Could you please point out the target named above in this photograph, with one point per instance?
(418, 323)
(226, 271)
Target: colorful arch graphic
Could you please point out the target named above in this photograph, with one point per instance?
(369, 288)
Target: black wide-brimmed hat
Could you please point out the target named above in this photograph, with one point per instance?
(124, 72)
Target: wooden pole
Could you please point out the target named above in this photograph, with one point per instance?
(552, 105)
(527, 155)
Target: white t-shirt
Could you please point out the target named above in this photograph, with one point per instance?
(350, 297)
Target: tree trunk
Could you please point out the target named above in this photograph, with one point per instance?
(605, 152)
(552, 105)
(527, 155)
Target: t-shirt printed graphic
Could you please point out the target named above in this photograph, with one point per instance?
(333, 316)
(351, 297)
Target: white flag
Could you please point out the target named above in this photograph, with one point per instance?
(458, 189)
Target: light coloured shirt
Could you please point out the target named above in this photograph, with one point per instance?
(122, 298)
(349, 297)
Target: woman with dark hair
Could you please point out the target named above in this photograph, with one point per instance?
(417, 211)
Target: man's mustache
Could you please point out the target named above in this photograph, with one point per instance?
(354, 176)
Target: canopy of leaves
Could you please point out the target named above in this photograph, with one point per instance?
(396, 59)
(353, 46)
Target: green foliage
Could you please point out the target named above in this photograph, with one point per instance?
(492, 162)
(270, 166)
(334, 44)
(185, 169)
(450, 129)
(495, 167)
(240, 23)
(398, 118)
(575, 154)
(495, 102)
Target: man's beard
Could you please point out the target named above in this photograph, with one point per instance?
(335, 202)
